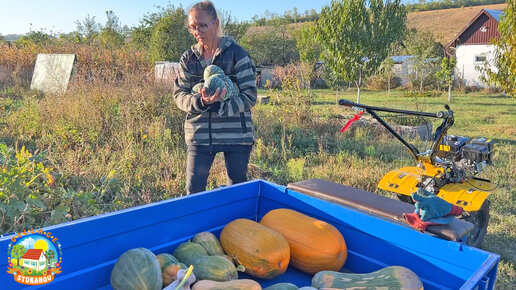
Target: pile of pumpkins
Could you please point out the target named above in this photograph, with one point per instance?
(263, 250)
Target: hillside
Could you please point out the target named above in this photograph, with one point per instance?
(446, 24)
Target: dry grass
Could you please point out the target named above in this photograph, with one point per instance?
(446, 24)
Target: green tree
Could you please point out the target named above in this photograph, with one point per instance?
(309, 48)
(112, 34)
(231, 26)
(18, 251)
(446, 73)
(170, 37)
(34, 37)
(386, 68)
(272, 46)
(357, 35)
(88, 29)
(502, 72)
(423, 47)
(49, 254)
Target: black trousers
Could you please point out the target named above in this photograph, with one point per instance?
(199, 163)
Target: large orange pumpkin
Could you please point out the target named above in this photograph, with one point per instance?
(262, 251)
(315, 245)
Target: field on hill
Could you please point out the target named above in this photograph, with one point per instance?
(446, 24)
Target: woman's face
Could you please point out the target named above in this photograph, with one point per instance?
(202, 27)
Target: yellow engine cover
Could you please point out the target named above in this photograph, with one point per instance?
(470, 195)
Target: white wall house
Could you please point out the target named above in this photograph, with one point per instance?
(34, 259)
(469, 58)
(473, 47)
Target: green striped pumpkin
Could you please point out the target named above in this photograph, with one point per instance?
(137, 269)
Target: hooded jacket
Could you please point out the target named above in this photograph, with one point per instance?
(225, 122)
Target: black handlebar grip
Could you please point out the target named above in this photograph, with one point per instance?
(346, 103)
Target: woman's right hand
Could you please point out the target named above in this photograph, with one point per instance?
(217, 96)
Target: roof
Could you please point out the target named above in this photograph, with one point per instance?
(400, 58)
(495, 14)
(33, 254)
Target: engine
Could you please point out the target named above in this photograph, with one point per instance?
(466, 156)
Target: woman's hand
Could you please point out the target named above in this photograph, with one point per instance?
(217, 96)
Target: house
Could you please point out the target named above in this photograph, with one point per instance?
(34, 259)
(403, 67)
(473, 48)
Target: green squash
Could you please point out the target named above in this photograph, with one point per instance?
(215, 268)
(189, 252)
(282, 286)
(169, 267)
(212, 70)
(393, 277)
(137, 269)
(213, 83)
(209, 242)
(197, 88)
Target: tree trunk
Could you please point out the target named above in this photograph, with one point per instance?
(389, 86)
(449, 93)
(358, 86)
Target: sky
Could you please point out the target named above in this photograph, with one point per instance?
(59, 16)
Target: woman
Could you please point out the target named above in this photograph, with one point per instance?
(214, 125)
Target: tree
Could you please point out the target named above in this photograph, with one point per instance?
(272, 46)
(308, 47)
(170, 37)
(112, 34)
(356, 35)
(231, 27)
(503, 71)
(88, 29)
(18, 251)
(386, 67)
(34, 37)
(423, 47)
(446, 73)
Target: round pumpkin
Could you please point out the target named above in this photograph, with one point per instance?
(212, 70)
(213, 83)
(209, 242)
(215, 268)
(169, 267)
(315, 245)
(189, 252)
(137, 269)
(262, 251)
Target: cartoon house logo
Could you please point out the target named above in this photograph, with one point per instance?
(35, 257)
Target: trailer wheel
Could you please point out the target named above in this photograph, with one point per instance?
(479, 219)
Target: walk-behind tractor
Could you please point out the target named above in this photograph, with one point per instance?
(448, 169)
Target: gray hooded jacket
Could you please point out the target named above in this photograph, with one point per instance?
(225, 122)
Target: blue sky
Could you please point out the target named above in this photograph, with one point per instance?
(59, 16)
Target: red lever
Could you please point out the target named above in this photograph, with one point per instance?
(357, 116)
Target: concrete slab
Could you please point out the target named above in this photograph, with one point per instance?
(52, 72)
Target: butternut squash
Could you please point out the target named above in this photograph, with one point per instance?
(393, 277)
(262, 251)
(242, 284)
(315, 245)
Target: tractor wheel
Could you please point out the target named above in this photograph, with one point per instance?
(404, 198)
(479, 219)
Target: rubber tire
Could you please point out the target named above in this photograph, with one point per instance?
(404, 198)
(480, 220)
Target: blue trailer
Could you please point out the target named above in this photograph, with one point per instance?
(91, 246)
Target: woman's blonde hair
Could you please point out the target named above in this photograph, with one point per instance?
(209, 8)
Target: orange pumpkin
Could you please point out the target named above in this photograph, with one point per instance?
(262, 251)
(315, 245)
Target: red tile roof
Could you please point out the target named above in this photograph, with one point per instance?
(33, 254)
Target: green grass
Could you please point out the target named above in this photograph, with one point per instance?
(110, 148)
